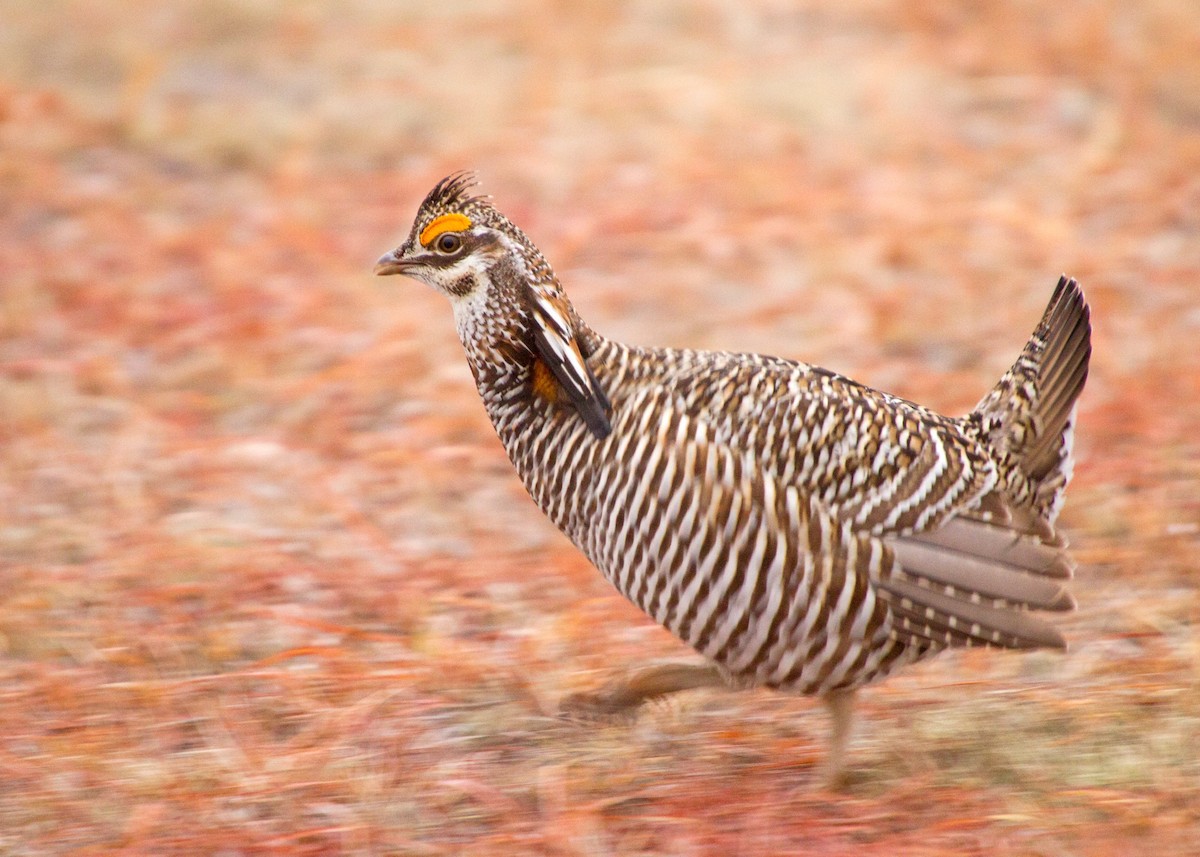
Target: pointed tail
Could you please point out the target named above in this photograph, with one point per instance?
(976, 579)
(1028, 418)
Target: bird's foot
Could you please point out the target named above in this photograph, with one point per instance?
(620, 698)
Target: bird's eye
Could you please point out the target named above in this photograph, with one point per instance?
(448, 242)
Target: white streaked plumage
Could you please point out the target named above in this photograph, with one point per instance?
(799, 530)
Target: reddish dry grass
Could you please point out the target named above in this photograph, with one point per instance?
(267, 583)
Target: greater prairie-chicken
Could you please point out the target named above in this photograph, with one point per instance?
(798, 529)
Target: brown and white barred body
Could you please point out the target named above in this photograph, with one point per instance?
(800, 530)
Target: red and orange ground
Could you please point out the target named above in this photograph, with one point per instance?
(267, 584)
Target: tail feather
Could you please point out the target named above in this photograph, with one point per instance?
(1062, 374)
(975, 579)
(1001, 546)
(971, 583)
(980, 577)
(1028, 417)
(965, 622)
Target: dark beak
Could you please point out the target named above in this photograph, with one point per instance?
(391, 263)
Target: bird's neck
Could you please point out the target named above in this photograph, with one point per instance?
(498, 347)
(517, 387)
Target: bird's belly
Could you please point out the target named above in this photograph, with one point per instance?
(718, 553)
(725, 565)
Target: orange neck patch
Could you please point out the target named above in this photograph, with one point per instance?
(444, 223)
(545, 386)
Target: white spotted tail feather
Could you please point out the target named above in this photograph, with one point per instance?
(971, 581)
(1028, 418)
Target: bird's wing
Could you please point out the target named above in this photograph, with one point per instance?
(890, 472)
(762, 577)
(883, 464)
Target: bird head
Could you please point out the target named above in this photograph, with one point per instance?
(457, 241)
(505, 295)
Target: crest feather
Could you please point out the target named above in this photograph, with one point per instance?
(453, 192)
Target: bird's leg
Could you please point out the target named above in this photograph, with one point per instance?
(840, 704)
(623, 695)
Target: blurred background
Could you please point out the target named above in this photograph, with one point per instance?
(268, 583)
